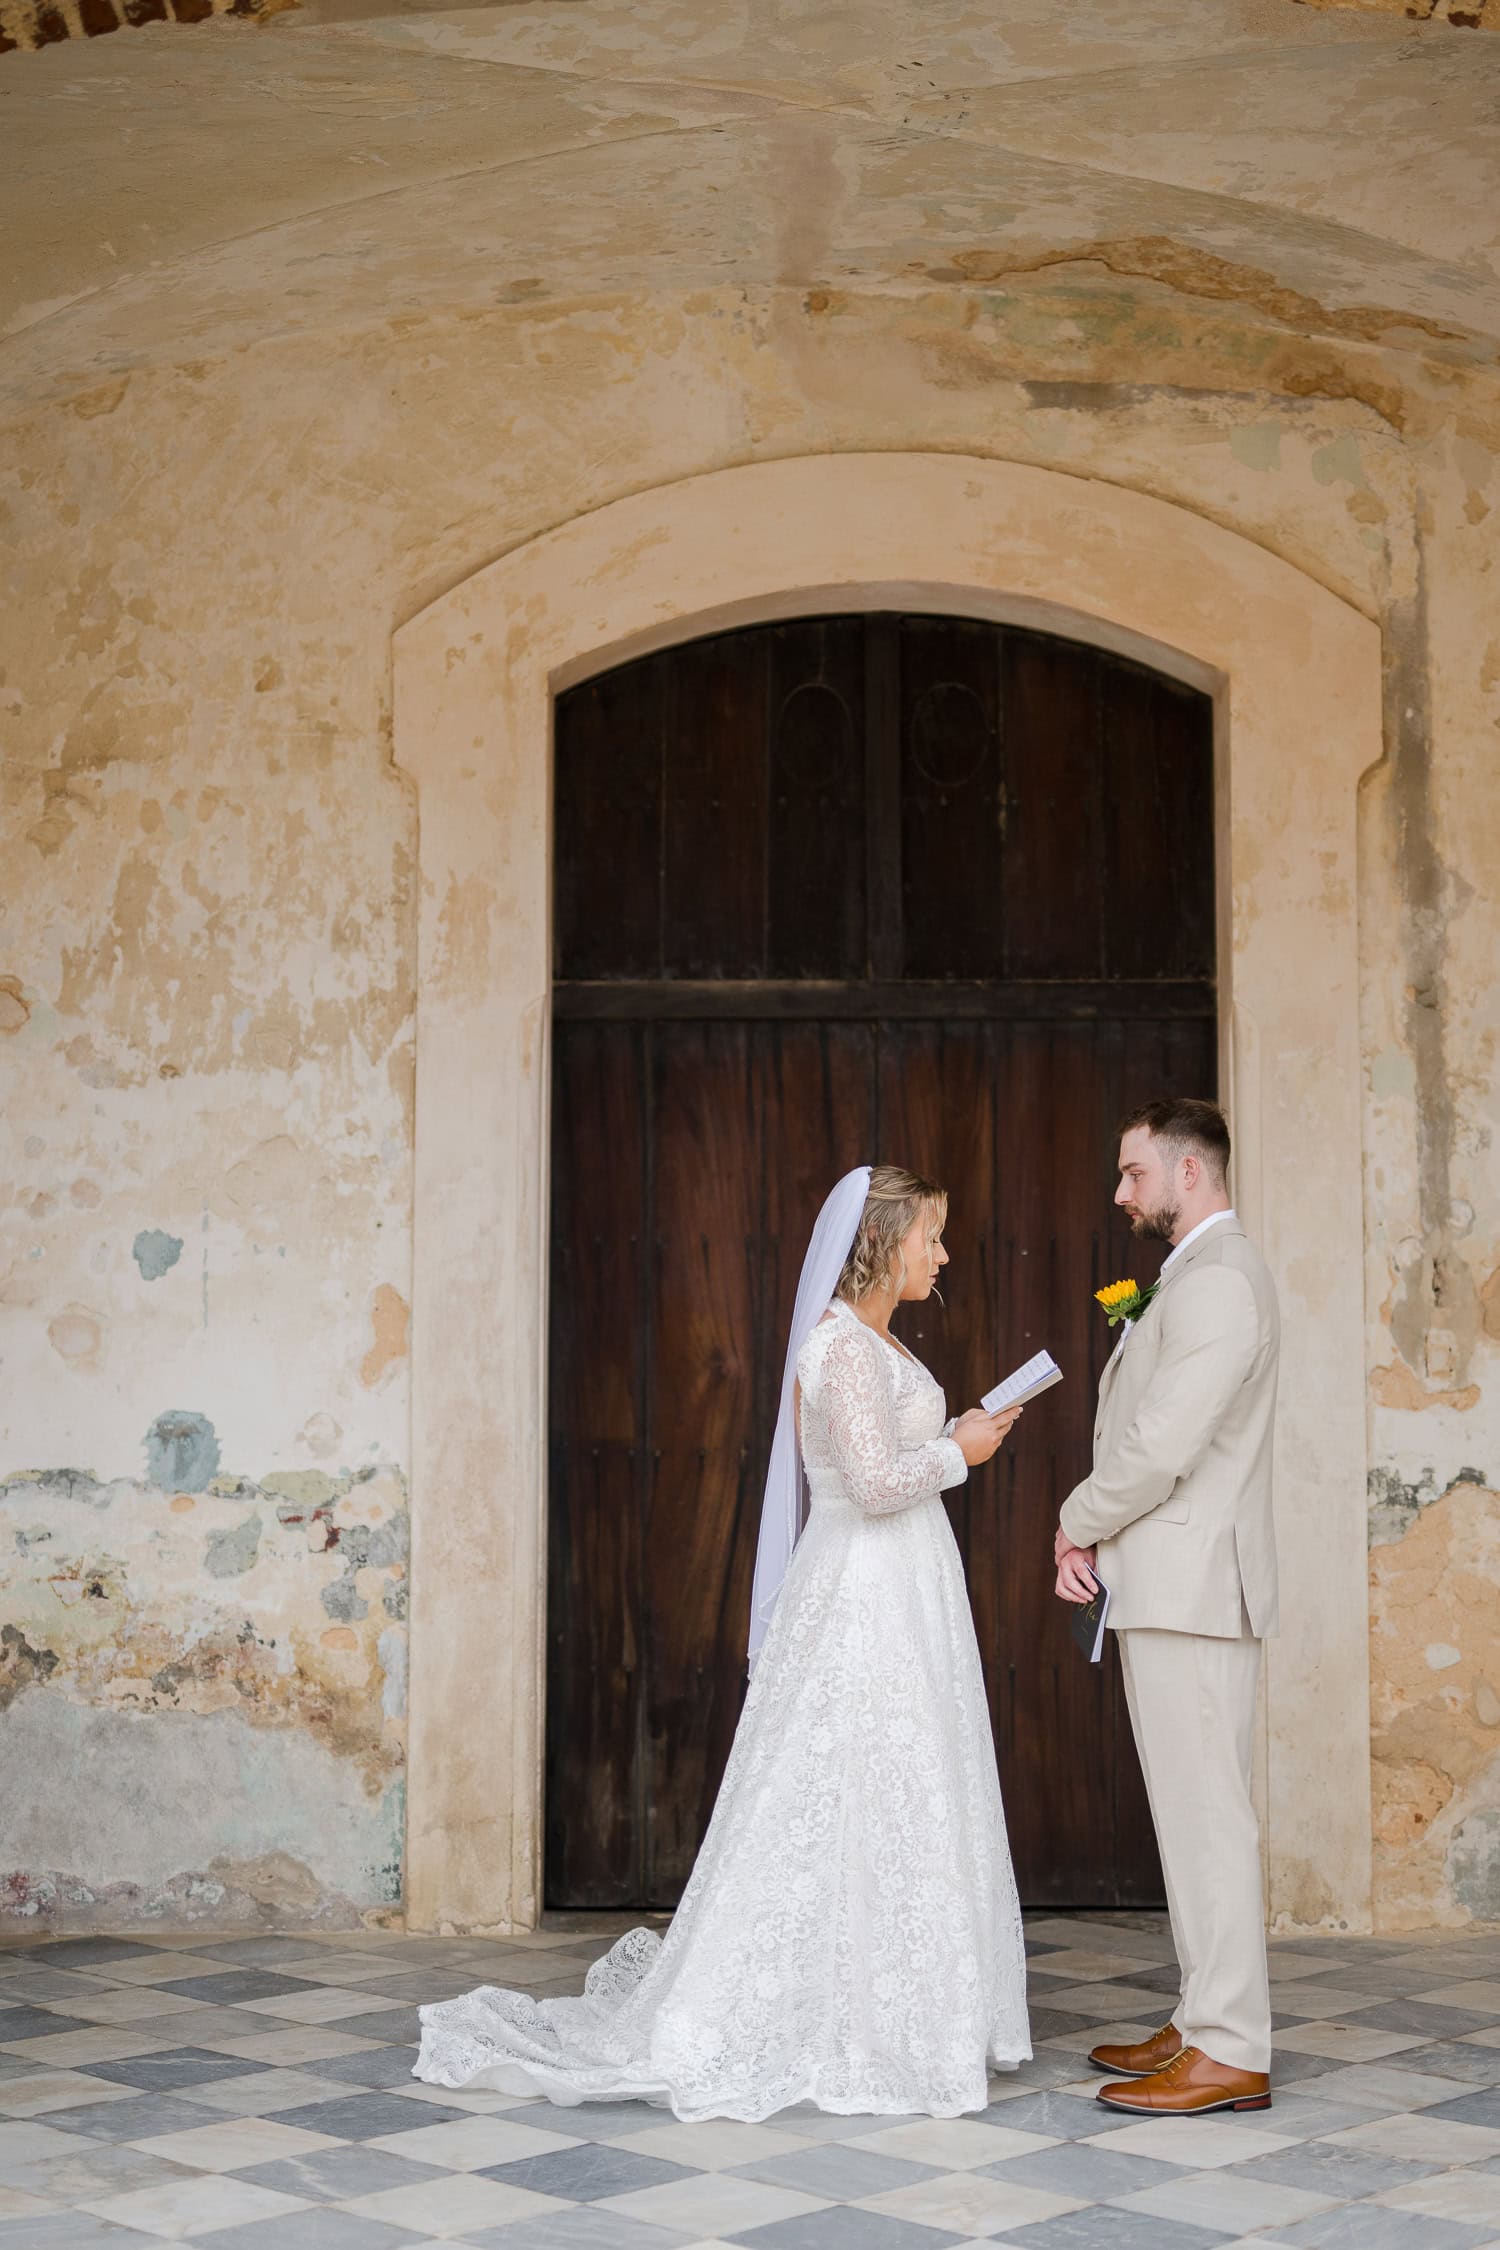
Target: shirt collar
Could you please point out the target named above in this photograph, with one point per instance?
(1201, 1228)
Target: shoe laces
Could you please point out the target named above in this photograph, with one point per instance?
(1179, 2060)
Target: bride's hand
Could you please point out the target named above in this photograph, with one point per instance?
(979, 1435)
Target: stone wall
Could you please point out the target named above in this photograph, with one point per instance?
(207, 978)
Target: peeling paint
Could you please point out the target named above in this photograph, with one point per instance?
(1141, 244)
(155, 1252)
(182, 1452)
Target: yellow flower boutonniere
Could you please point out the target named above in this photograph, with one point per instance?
(1125, 1300)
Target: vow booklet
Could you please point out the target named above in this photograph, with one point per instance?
(1090, 1619)
(1028, 1382)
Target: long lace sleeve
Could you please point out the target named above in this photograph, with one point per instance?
(880, 1474)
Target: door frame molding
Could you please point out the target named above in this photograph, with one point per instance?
(1295, 674)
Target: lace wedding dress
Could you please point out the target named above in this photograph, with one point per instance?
(850, 1933)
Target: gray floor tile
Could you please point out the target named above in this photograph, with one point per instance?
(1107, 2227)
(89, 1952)
(1309, 2117)
(199, 2027)
(27, 2022)
(235, 1985)
(418, 1987)
(321, 2228)
(41, 1983)
(811, 2124)
(1341, 2173)
(135, 2119)
(376, 2066)
(1479, 2108)
(1424, 2017)
(97, 2171)
(838, 2173)
(844, 2228)
(1288, 2068)
(1450, 2058)
(368, 2093)
(587, 2173)
(583, 2229)
(339, 2175)
(1092, 2173)
(402, 2026)
(68, 2230)
(594, 2121)
(366, 2116)
(1374, 2226)
(263, 1952)
(1063, 2117)
(178, 2066)
(1051, 2023)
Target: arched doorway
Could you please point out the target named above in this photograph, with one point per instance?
(935, 889)
(1295, 674)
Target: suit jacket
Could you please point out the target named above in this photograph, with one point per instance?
(1179, 1501)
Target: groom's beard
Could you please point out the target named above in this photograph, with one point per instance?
(1156, 1226)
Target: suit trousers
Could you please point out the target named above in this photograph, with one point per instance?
(1192, 1707)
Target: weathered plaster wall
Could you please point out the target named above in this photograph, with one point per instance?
(222, 487)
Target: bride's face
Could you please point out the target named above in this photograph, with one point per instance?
(922, 1249)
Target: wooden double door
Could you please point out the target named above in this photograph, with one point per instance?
(854, 888)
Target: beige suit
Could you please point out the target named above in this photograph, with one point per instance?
(1179, 1506)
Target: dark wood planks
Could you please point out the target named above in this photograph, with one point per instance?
(914, 888)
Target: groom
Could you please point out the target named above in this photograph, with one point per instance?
(1178, 1511)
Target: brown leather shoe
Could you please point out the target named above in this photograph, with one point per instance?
(1151, 2055)
(1188, 2086)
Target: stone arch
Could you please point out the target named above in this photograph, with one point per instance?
(1295, 674)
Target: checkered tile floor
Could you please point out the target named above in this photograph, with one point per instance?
(256, 2095)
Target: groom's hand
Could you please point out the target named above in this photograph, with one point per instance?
(1075, 1569)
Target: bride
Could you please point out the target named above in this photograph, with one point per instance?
(850, 1934)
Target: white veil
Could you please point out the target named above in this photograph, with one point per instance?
(781, 1510)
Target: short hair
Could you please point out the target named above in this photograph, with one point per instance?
(1184, 1124)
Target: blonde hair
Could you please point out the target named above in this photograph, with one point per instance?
(893, 1206)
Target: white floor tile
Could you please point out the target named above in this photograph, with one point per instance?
(130, 2004)
(969, 2202)
(1196, 2143)
(1472, 2198)
(1369, 2086)
(238, 2142)
(1346, 2042)
(464, 2144)
(24, 2140)
(455, 2206)
(1210, 2199)
(260, 2093)
(292, 2044)
(714, 2146)
(1481, 1994)
(183, 2208)
(1423, 2140)
(952, 2143)
(15, 2203)
(714, 2202)
(161, 1968)
(75, 2050)
(55, 2089)
(320, 2003)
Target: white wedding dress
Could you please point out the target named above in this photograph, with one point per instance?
(850, 1934)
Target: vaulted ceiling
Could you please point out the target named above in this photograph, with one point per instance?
(182, 190)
